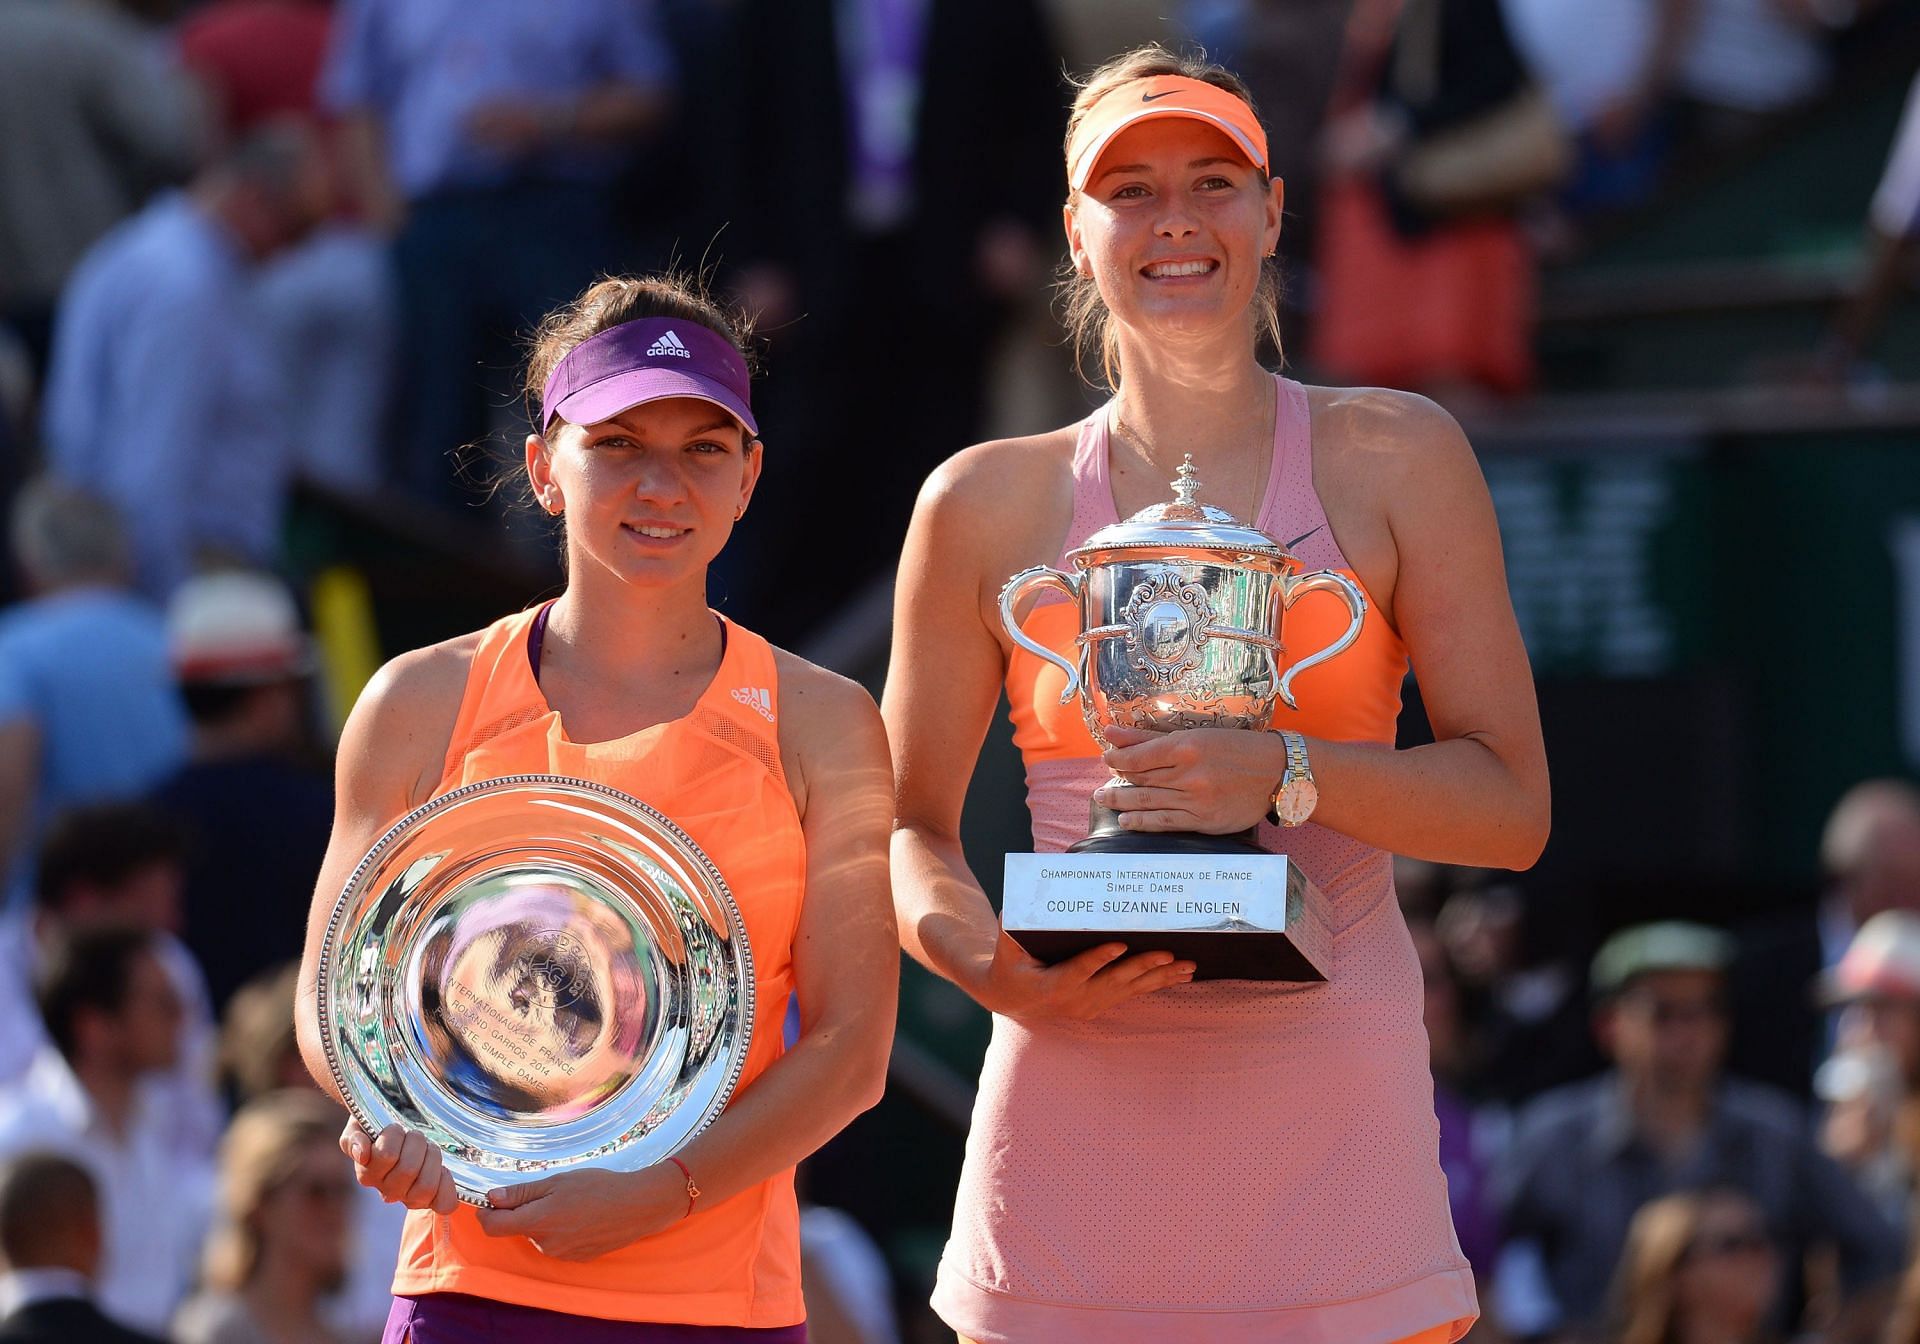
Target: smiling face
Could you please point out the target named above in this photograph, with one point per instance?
(651, 495)
(1173, 226)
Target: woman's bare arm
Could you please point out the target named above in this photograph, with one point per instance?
(942, 686)
(391, 751)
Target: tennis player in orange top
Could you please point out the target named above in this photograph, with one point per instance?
(646, 447)
(1154, 1159)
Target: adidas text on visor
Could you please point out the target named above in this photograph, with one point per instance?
(1162, 96)
(647, 360)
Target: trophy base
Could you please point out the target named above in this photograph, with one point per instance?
(1236, 915)
(1107, 836)
(1215, 956)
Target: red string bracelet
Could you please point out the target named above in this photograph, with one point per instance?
(693, 1191)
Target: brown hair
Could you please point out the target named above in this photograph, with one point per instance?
(260, 1151)
(1085, 313)
(49, 1207)
(614, 299)
(258, 1033)
(1645, 1285)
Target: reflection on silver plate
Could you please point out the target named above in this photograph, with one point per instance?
(537, 973)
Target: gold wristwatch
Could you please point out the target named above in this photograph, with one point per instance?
(1296, 795)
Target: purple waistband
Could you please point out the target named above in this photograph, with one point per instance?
(455, 1318)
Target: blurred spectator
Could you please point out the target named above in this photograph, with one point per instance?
(90, 122)
(1872, 1082)
(104, 865)
(258, 60)
(1746, 60)
(257, 816)
(1697, 1266)
(161, 330)
(87, 704)
(1437, 133)
(258, 1050)
(848, 1288)
(1893, 223)
(114, 1016)
(884, 237)
(1870, 858)
(330, 299)
(1586, 1157)
(1608, 67)
(118, 866)
(1523, 993)
(280, 1244)
(260, 1056)
(1860, 1087)
(489, 134)
(1461, 1155)
(50, 1239)
(1871, 853)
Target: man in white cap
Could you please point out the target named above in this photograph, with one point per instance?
(1872, 1080)
(257, 815)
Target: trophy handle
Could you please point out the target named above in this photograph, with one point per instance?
(1069, 584)
(1321, 581)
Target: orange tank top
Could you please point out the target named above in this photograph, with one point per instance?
(717, 773)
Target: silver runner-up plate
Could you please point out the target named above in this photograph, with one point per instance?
(538, 974)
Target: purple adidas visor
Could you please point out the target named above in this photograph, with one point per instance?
(636, 362)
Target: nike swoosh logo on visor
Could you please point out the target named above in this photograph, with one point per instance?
(1149, 97)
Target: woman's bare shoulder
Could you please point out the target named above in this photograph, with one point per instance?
(995, 507)
(982, 479)
(1384, 428)
(817, 692)
(828, 725)
(397, 737)
(422, 679)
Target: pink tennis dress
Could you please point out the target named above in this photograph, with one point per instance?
(1229, 1160)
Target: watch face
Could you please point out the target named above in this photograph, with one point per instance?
(1295, 801)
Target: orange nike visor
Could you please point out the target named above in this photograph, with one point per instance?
(1162, 96)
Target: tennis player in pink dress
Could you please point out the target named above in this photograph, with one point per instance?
(1154, 1159)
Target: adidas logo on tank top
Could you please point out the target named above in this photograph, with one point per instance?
(669, 345)
(757, 698)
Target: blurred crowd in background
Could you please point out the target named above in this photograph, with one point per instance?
(254, 246)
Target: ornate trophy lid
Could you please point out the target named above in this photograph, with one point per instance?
(1183, 523)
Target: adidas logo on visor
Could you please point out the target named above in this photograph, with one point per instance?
(669, 345)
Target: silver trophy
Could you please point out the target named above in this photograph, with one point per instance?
(537, 973)
(1181, 612)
